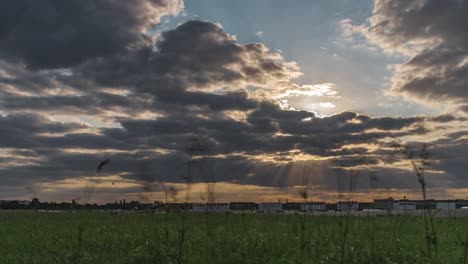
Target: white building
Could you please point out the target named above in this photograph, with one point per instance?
(210, 207)
(270, 207)
(445, 206)
(313, 206)
(24, 202)
(404, 205)
(347, 206)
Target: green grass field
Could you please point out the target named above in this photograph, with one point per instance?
(86, 237)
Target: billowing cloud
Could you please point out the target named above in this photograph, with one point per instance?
(196, 56)
(433, 34)
(195, 64)
(56, 34)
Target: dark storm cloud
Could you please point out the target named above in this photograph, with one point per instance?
(36, 132)
(36, 124)
(149, 168)
(138, 138)
(90, 104)
(445, 118)
(215, 57)
(269, 115)
(434, 33)
(451, 151)
(59, 34)
(299, 130)
(237, 100)
(180, 69)
(267, 130)
(17, 77)
(23, 130)
(196, 56)
(62, 165)
(222, 134)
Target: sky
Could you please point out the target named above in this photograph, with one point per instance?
(232, 100)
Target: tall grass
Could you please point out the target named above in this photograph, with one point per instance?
(88, 237)
(419, 160)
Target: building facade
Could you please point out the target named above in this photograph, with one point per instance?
(384, 204)
(313, 206)
(210, 207)
(347, 206)
(270, 207)
(446, 205)
(404, 205)
(243, 206)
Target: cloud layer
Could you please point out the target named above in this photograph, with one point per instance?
(74, 91)
(433, 34)
(55, 34)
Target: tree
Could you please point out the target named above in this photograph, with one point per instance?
(35, 203)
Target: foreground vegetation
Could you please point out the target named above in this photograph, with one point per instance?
(87, 237)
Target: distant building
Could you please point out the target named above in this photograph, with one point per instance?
(24, 202)
(210, 207)
(429, 204)
(270, 207)
(291, 206)
(404, 205)
(177, 207)
(243, 206)
(461, 203)
(365, 206)
(384, 204)
(331, 206)
(313, 206)
(446, 205)
(347, 206)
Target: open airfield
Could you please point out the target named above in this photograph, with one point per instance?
(102, 237)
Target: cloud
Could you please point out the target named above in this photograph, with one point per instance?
(433, 35)
(55, 34)
(195, 56)
(22, 130)
(196, 64)
(287, 89)
(246, 153)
